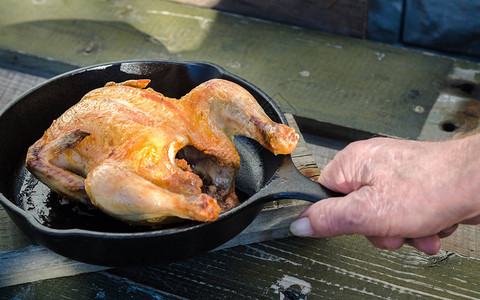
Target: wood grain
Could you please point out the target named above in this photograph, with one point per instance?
(33, 263)
(308, 73)
(98, 285)
(465, 241)
(22, 262)
(345, 267)
(332, 79)
(14, 83)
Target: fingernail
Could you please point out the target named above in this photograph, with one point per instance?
(302, 227)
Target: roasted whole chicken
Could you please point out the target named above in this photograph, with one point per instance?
(145, 158)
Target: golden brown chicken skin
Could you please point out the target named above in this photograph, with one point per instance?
(142, 157)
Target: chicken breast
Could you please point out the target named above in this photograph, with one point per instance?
(142, 157)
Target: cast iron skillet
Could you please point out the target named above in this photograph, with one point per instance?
(91, 236)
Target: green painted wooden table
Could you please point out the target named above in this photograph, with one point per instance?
(339, 89)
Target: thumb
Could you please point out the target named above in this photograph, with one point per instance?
(338, 215)
(326, 218)
(330, 217)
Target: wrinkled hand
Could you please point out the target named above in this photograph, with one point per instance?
(397, 192)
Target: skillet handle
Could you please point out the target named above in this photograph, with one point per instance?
(289, 183)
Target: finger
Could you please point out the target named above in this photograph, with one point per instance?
(334, 176)
(429, 245)
(448, 231)
(386, 243)
(349, 170)
(302, 227)
(322, 219)
(338, 216)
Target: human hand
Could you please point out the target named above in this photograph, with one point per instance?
(398, 191)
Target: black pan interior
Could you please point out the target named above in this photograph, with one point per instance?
(24, 121)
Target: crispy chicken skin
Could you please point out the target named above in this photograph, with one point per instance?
(142, 157)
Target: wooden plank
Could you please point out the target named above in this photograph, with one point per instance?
(348, 82)
(13, 84)
(457, 109)
(11, 237)
(341, 17)
(98, 285)
(341, 268)
(465, 241)
(33, 263)
(308, 268)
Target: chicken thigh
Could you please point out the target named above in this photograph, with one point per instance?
(143, 158)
